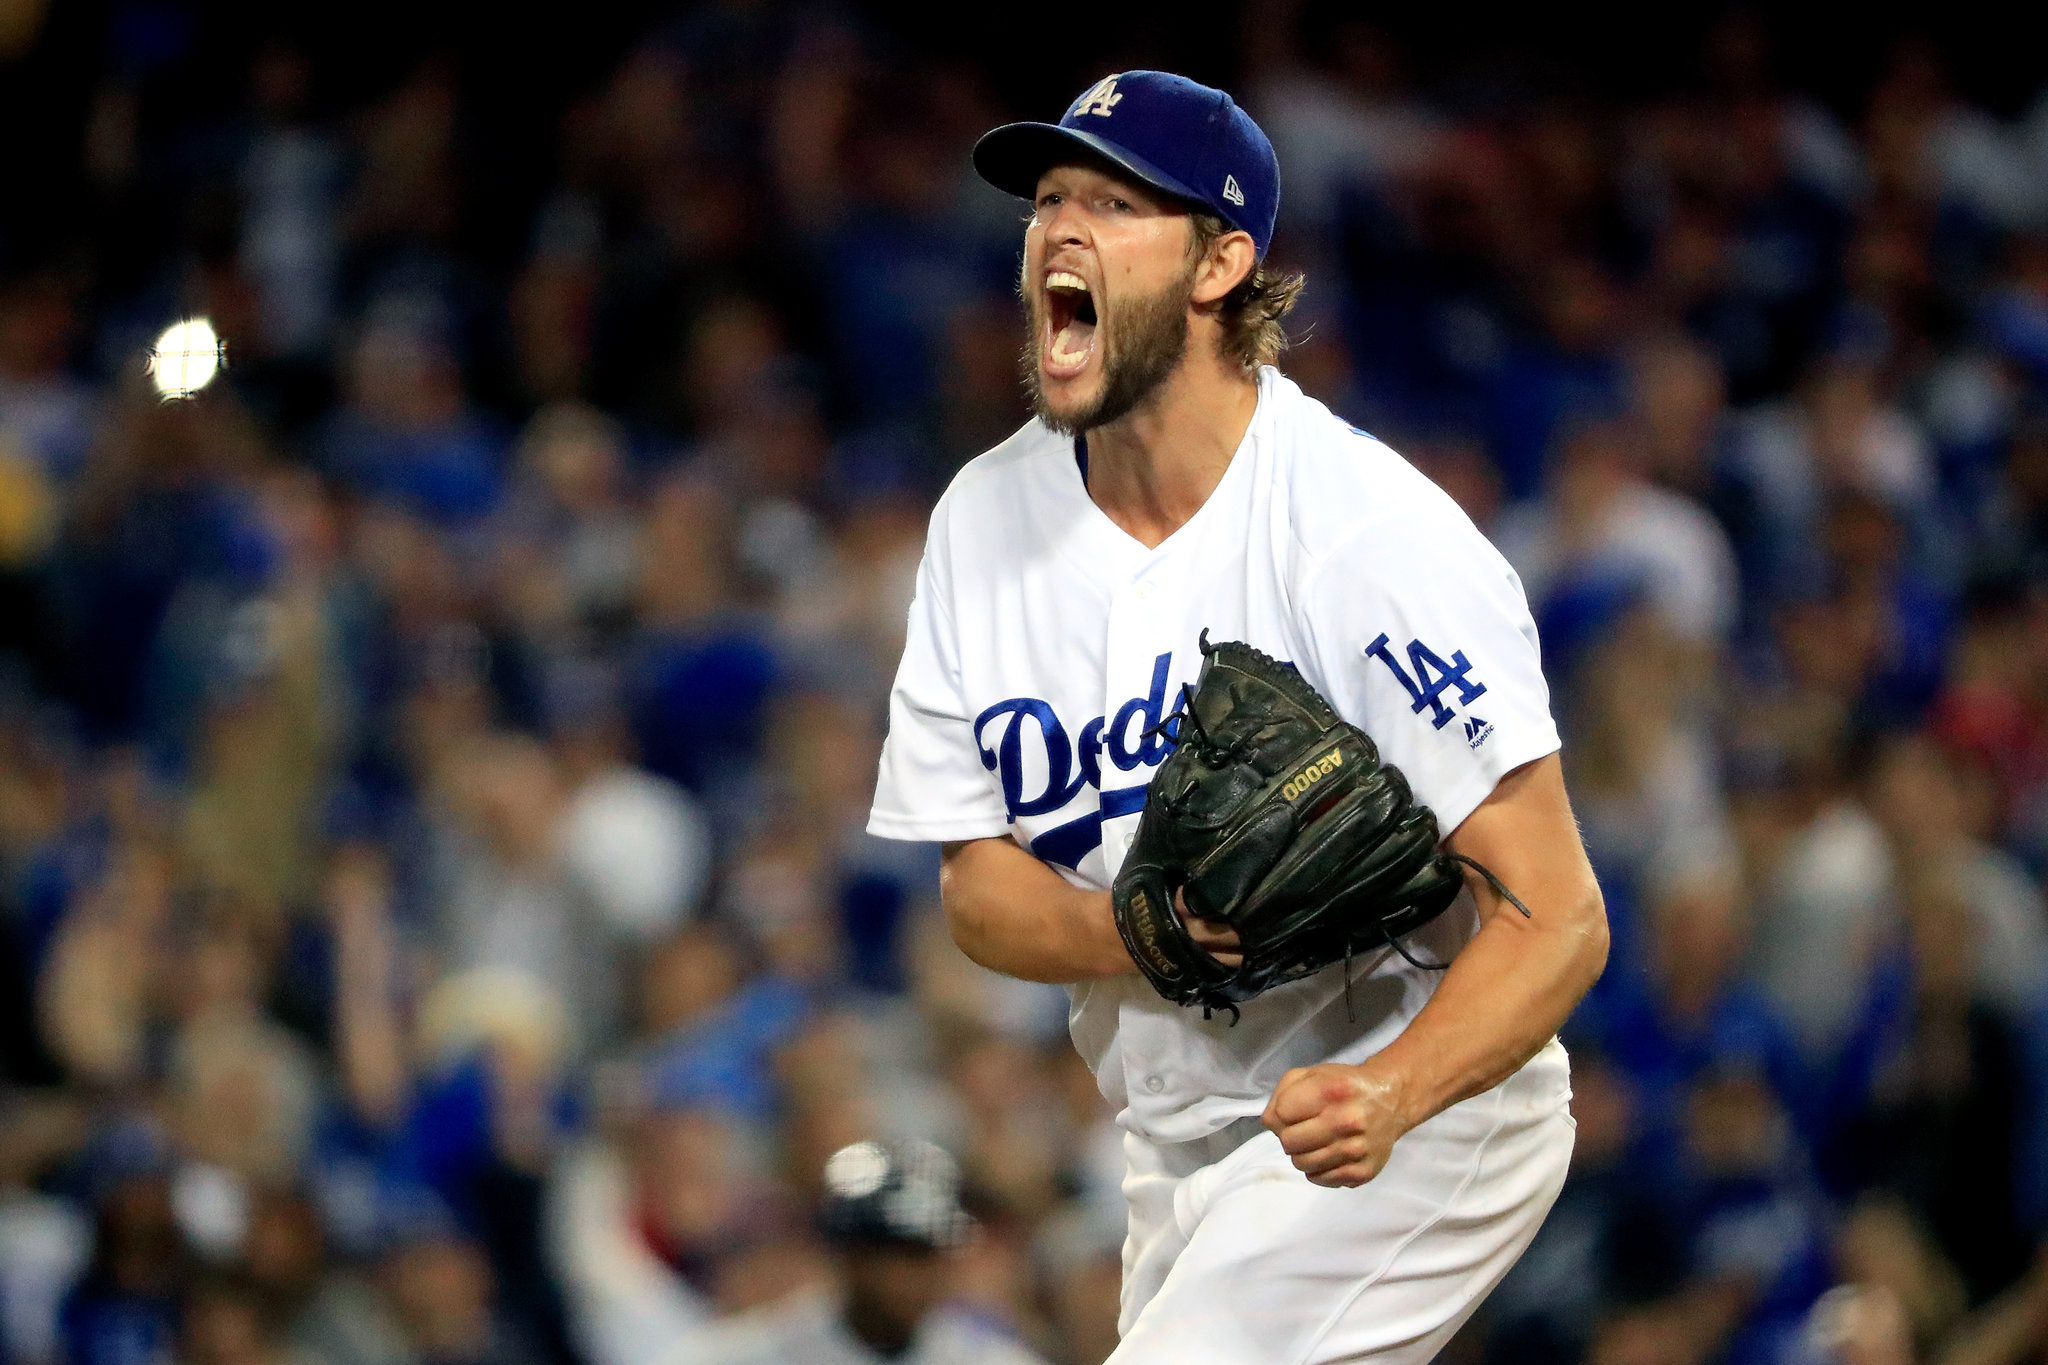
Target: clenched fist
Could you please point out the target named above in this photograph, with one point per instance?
(1338, 1123)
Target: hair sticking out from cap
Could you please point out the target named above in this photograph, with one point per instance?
(1254, 313)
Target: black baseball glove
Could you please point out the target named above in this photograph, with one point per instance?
(1277, 817)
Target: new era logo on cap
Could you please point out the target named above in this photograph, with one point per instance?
(1166, 131)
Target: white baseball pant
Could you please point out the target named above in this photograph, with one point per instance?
(1237, 1259)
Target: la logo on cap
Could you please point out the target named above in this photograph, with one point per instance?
(1232, 192)
(1100, 99)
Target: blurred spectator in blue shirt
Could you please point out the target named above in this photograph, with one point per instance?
(408, 435)
(1603, 526)
(50, 413)
(700, 670)
(1939, 1122)
(1685, 1012)
(1839, 438)
(124, 1310)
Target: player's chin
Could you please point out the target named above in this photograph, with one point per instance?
(1069, 397)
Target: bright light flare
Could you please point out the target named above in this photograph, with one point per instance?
(186, 358)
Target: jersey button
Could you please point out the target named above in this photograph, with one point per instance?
(1155, 1084)
(1143, 591)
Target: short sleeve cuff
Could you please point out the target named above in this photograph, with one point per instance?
(1471, 791)
(912, 829)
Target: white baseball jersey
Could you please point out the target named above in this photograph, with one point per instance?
(1046, 645)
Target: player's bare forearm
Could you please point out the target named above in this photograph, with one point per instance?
(1013, 914)
(1504, 997)
(1513, 986)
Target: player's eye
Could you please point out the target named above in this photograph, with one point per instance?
(1048, 200)
(1120, 205)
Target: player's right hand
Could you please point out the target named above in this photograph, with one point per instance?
(1213, 936)
(1337, 1123)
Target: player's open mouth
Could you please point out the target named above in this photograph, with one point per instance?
(1069, 325)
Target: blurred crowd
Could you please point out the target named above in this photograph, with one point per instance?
(436, 925)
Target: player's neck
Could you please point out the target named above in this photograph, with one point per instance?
(1152, 470)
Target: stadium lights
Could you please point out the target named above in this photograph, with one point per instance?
(186, 358)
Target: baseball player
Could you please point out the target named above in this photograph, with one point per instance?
(1344, 1168)
(891, 1214)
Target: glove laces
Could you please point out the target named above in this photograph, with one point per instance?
(1500, 888)
(1212, 753)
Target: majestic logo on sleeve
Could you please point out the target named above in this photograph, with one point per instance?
(1432, 677)
(1042, 770)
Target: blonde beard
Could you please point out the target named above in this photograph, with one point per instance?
(1142, 347)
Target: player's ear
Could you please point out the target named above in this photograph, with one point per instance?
(1230, 262)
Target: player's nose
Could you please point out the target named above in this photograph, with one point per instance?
(1064, 224)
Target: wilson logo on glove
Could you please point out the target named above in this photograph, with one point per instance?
(1148, 939)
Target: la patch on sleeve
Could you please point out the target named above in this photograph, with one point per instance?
(1428, 677)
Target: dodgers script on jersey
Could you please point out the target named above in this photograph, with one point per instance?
(1046, 646)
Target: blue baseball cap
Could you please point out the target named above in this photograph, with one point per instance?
(1186, 139)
